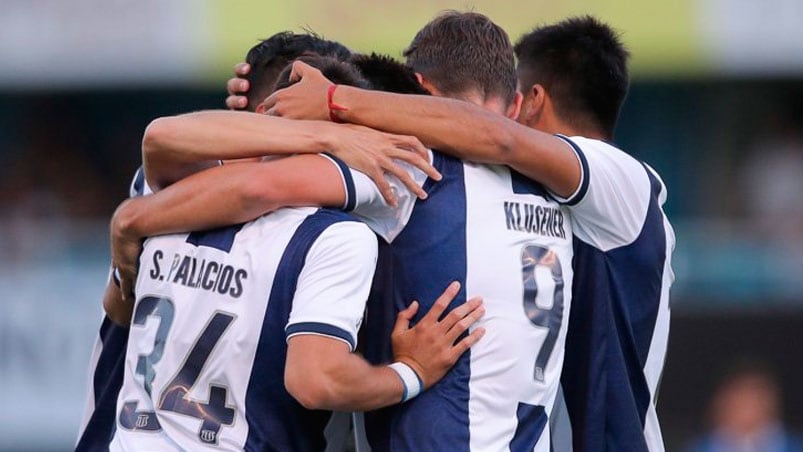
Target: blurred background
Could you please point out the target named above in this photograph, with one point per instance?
(716, 106)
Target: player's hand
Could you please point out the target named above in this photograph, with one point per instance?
(306, 98)
(126, 248)
(429, 347)
(373, 153)
(237, 87)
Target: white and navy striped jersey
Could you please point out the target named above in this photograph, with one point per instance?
(503, 238)
(106, 369)
(204, 367)
(619, 324)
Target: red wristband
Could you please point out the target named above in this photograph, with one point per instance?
(333, 107)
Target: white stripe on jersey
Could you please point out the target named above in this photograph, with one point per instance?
(503, 362)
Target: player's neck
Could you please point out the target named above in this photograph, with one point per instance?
(553, 125)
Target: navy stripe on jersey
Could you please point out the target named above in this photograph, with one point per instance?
(522, 185)
(531, 422)
(429, 254)
(345, 171)
(106, 383)
(219, 238)
(581, 192)
(611, 326)
(276, 421)
(322, 329)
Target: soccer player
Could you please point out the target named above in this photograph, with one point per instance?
(484, 225)
(106, 363)
(573, 75)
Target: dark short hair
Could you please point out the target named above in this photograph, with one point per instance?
(582, 64)
(386, 74)
(339, 72)
(461, 51)
(270, 56)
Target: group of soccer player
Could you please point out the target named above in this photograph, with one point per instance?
(466, 215)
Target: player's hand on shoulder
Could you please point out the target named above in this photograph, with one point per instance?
(431, 347)
(376, 154)
(237, 87)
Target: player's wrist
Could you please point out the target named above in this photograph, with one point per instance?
(411, 381)
(334, 108)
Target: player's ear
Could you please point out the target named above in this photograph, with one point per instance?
(426, 84)
(539, 96)
(515, 107)
(533, 104)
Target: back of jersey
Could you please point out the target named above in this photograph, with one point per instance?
(205, 358)
(501, 236)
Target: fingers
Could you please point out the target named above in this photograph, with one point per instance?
(413, 144)
(242, 69)
(403, 318)
(237, 86)
(270, 102)
(299, 70)
(419, 162)
(235, 102)
(463, 320)
(405, 178)
(442, 303)
(467, 342)
(127, 288)
(384, 187)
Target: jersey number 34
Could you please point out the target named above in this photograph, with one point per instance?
(214, 413)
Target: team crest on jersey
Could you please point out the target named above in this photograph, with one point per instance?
(208, 436)
(142, 420)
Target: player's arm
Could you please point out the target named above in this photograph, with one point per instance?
(456, 127)
(118, 309)
(241, 192)
(322, 371)
(177, 146)
(221, 196)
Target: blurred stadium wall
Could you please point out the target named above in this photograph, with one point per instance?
(716, 106)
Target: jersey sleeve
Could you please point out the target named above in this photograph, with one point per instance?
(610, 205)
(334, 283)
(139, 186)
(365, 201)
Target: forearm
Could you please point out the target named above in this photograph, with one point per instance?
(174, 147)
(337, 379)
(232, 194)
(441, 123)
(118, 310)
(465, 131)
(190, 205)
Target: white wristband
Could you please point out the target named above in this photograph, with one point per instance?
(410, 380)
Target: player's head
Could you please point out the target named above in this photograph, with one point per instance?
(579, 65)
(337, 71)
(465, 55)
(269, 57)
(386, 74)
